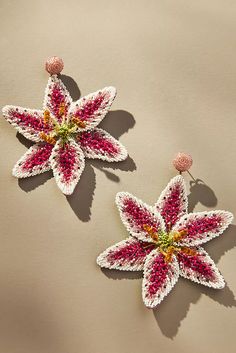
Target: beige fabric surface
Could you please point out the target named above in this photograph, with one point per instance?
(174, 65)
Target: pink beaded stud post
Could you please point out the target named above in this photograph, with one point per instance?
(54, 65)
(182, 162)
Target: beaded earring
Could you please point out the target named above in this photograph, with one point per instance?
(165, 240)
(65, 132)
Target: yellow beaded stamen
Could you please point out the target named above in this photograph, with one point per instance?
(150, 230)
(47, 138)
(168, 254)
(179, 235)
(188, 251)
(62, 109)
(46, 116)
(80, 123)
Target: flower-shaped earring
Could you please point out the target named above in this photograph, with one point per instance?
(65, 132)
(165, 239)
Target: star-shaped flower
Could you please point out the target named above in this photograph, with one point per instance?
(65, 133)
(164, 242)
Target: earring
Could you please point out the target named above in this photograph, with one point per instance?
(165, 240)
(65, 132)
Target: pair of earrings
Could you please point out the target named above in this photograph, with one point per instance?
(165, 240)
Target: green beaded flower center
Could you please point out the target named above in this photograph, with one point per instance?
(165, 240)
(65, 131)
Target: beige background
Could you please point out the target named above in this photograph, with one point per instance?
(173, 63)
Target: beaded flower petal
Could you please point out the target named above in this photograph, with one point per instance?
(164, 241)
(65, 133)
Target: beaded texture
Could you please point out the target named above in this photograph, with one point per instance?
(182, 162)
(65, 133)
(54, 65)
(164, 242)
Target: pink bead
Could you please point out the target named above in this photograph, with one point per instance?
(96, 141)
(54, 65)
(182, 162)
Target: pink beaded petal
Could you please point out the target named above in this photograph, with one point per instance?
(200, 268)
(67, 163)
(28, 122)
(160, 277)
(201, 227)
(97, 143)
(127, 255)
(136, 215)
(56, 97)
(92, 108)
(34, 161)
(173, 202)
